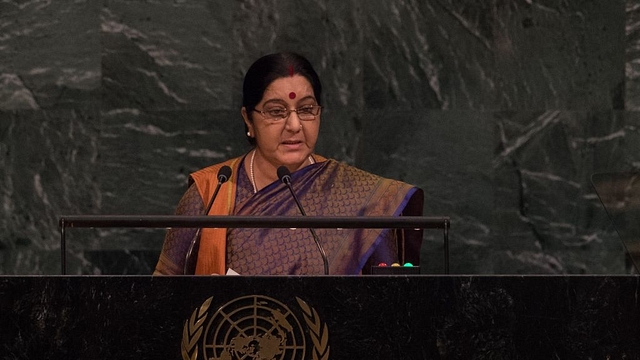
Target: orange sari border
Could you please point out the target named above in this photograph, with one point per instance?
(213, 241)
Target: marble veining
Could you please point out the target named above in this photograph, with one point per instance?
(500, 111)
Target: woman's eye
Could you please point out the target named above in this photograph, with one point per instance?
(277, 112)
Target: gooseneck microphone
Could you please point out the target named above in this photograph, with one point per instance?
(285, 177)
(189, 260)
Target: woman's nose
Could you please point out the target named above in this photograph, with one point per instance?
(293, 122)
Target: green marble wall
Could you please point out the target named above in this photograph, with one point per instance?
(499, 110)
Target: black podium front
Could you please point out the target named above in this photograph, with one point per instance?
(358, 317)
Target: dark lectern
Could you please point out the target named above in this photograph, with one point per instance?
(318, 317)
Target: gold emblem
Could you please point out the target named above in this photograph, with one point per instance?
(254, 327)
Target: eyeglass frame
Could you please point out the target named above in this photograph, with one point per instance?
(289, 111)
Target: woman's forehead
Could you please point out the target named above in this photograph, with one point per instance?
(283, 87)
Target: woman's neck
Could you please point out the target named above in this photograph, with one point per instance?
(262, 173)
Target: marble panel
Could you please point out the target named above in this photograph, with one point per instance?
(632, 63)
(517, 185)
(165, 55)
(499, 110)
(48, 168)
(494, 55)
(49, 54)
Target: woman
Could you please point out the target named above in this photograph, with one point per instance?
(282, 105)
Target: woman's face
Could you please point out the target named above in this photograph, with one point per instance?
(290, 141)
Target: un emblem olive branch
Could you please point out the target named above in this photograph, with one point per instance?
(193, 331)
(319, 334)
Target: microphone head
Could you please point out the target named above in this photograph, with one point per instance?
(224, 174)
(284, 174)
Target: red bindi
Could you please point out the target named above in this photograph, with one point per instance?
(292, 95)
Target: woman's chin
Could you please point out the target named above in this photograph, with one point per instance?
(294, 162)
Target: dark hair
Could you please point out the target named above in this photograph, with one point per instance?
(269, 68)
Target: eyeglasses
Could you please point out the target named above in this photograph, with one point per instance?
(277, 113)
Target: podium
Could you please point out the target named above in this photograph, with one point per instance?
(320, 317)
(316, 317)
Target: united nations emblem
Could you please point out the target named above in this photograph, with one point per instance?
(254, 327)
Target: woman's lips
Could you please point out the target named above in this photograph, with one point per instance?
(292, 144)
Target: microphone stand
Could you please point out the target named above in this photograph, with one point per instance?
(285, 177)
(189, 264)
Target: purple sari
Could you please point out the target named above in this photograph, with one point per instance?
(328, 188)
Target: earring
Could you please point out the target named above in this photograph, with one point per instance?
(248, 134)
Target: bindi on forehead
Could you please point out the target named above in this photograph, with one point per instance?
(292, 95)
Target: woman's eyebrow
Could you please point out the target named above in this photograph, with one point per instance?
(282, 101)
(308, 97)
(276, 100)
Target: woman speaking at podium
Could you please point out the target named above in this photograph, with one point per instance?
(282, 107)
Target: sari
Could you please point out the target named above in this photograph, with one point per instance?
(325, 188)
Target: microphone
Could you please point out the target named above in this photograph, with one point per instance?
(285, 177)
(189, 261)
